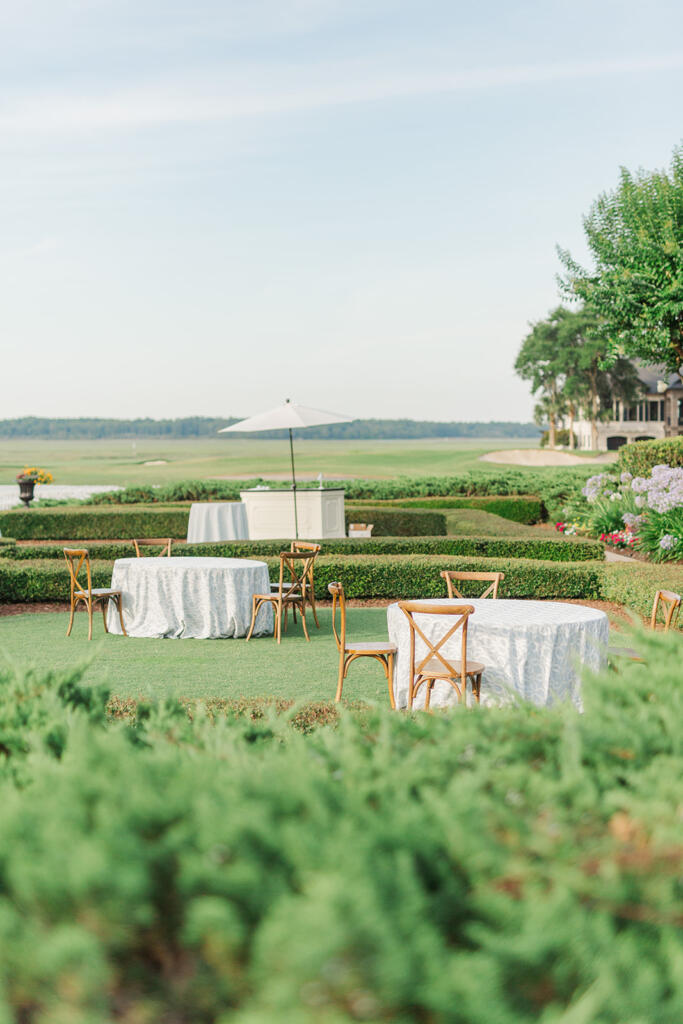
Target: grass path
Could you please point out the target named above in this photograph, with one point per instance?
(201, 668)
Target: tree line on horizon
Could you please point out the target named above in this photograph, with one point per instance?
(49, 428)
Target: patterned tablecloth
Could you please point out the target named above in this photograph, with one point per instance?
(534, 649)
(217, 520)
(189, 597)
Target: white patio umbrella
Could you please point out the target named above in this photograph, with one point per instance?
(288, 416)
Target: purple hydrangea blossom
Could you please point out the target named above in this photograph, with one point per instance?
(597, 486)
(668, 542)
(626, 478)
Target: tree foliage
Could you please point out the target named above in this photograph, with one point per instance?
(635, 236)
(563, 357)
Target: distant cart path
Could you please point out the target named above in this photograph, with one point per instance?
(545, 457)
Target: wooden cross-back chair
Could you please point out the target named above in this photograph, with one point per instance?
(313, 549)
(291, 593)
(381, 651)
(91, 596)
(433, 666)
(495, 578)
(670, 604)
(164, 543)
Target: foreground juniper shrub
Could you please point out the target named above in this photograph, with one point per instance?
(212, 863)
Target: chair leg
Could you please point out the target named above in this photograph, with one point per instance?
(104, 605)
(389, 668)
(278, 612)
(340, 677)
(119, 605)
(89, 620)
(254, 611)
(303, 619)
(428, 694)
(71, 618)
(287, 617)
(313, 608)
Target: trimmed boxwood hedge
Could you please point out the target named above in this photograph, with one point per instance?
(639, 458)
(369, 576)
(552, 548)
(386, 576)
(95, 522)
(526, 508)
(396, 522)
(102, 522)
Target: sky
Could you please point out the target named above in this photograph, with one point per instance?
(208, 207)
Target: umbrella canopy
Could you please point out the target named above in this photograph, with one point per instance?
(288, 416)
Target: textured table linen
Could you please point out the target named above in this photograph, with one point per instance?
(534, 649)
(217, 520)
(189, 597)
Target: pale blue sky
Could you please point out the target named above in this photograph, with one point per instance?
(208, 207)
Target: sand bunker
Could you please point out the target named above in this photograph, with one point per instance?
(545, 457)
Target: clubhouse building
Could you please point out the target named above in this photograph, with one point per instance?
(657, 414)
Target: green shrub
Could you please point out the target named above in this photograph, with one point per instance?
(95, 523)
(390, 522)
(487, 480)
(364, 576)
(635, 585)
(563, 438)
(639, 458)
(118, 523)
(552, 548)
(7, 547)
(519, 508)
(514, 865)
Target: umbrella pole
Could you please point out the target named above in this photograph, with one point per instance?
(291, 453)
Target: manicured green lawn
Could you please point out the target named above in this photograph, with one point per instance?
(473, 522)
(117, 462)
(202, 668)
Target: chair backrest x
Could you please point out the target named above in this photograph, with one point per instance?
(494, 578)
(75, 558)
(461, 612)
(153, 542)
(671, 604)
(298, 565)
(306, 546)
(338, 599)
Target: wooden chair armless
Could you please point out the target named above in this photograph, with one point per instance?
(434, 665)
(153, 542)
(494, 578)
(90, 596)
(382, 652)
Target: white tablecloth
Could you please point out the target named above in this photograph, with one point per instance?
(189, 597)
(532, 648)
(217, 520)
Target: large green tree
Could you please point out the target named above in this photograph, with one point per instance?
(541, 360)
(591, 384)
(635, 236)
(563, 357)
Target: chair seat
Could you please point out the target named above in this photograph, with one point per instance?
(436, 669)
(104, 592)
(291, 598)
(368, 645)
(624, 652)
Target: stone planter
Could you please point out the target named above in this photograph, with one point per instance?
(26, 491)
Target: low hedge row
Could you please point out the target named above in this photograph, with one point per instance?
(103, 522)
(395, 522)
(524, 508)
(552, 548)
(639, 458)
(398, 576)
(371, 576)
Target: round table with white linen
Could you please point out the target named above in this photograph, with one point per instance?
(189, 597)
(217, 520)
(532, 649)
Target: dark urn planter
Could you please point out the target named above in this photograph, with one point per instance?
(26, 491)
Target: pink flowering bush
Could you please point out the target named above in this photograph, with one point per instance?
(641, 512)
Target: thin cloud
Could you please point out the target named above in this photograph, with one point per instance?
(167, 105)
